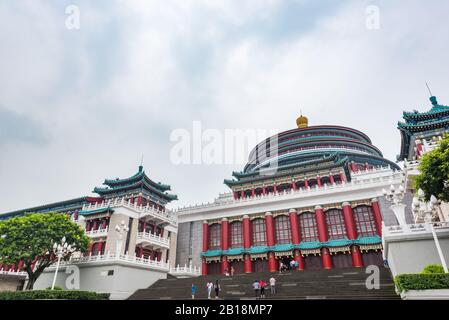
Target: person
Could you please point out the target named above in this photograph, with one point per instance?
(281, 267)
(193, 290)
(217, 289)
(292, 264)
(256, 287)
(262, 285)
(226, 273)
(273, 285)
(296, 265)
(209, 289)
(232, 271)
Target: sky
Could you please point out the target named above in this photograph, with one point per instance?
(78, 105)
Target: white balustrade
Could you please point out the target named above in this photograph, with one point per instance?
(153, 239)
(97, 233)
(185, 271)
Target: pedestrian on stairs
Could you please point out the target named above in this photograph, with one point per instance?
(262, 288)
(273, 285)
(209, 286)
(232, 271)
(217, 289)
(193, 290)
(256, 287)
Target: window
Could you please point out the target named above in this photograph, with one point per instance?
(236, 234)
(214, 236)
(364, 220)
(259, 232)
(335, 224)
(309, 229)
(283, 232)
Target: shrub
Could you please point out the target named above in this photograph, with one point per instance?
(53, 294)
(421, 281)
(55, 288)
(433, 268)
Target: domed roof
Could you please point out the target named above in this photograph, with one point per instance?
(302, 122)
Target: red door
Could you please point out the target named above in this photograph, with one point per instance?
(372, 258)
(341, 260)
(214, 267)
(313, 263)
(238, 266)
(260, 265)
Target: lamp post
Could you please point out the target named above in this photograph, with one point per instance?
(60, 250)
(120, 229)
(395, 196)
(425, 212)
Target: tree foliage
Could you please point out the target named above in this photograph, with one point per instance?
(434, 172)
(30, 239)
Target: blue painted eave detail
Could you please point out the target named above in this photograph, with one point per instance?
(89, 212)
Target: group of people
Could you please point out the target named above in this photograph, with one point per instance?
(260, 285)
(209, 286)
(293, 264)
(227, 274)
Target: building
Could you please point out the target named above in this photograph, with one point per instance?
(411, 246)
(315, 196)
(133, 236)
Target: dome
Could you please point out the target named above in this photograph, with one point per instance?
(302, 122)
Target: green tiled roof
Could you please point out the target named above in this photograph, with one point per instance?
(89, 212)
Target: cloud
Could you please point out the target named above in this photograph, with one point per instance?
(105, 94)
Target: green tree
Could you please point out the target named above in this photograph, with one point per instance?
(30, 239)
(434, 172)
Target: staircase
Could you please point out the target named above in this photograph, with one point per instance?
(346, 283)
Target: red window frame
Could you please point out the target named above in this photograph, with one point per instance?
(364, 220)
(215, 236)
(335, 221)
(236, 234)
(259, 232)
(283, 230)
(308, 227)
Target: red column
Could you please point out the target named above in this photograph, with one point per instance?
(246, 232)
(205, 236)
(248, 267)
(204, 267)
(224, 264)
(253, 193)
(321, 224)
(248, 264)
(294, 225)
(242, 194)
(224, 234)
(298, 258)
(331, 178)
(269, 223)
(235, 195)
(272, 263)
(318, 181)
(351, 230)
(377, 216)
(323, 236)
(139, 200)
(275, 189)
(342, 177)
(20, 266)
(294, 187)
(357, 260)
(348, 215)
(326, 257)
(264, 191)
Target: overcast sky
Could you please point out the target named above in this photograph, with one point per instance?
(81, 105)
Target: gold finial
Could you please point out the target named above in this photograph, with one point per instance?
(302, 121)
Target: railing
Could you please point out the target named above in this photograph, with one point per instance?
(138, 261)
(415, 228)
(97, 233)
(143, 210)
(185, 271)
(388, 178)
(13, 273)
(152, 238)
